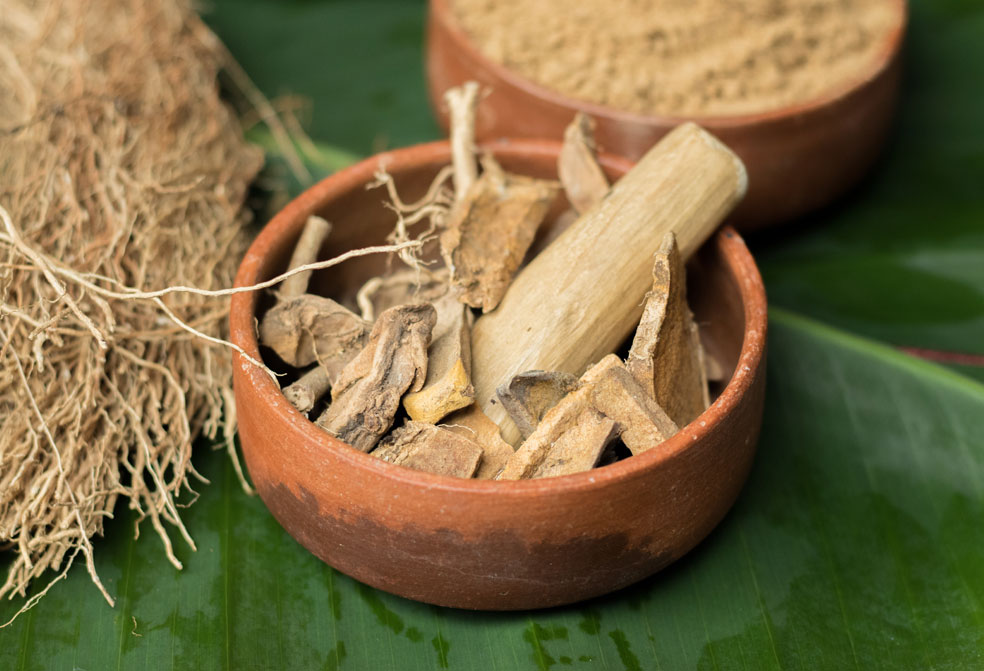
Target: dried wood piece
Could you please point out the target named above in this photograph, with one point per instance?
(488, 233)
(401, 288)
(614, 392)
(448, 385)
(666, 354)
(584, 181)
(472, 423)
(570, 438)
(528, 396)
(306, 251)
(366, 395)
(462, 102)
(434, 449)
(313, 328)
(304, 392)
(579, 298)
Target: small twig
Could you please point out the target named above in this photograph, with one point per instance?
(462, 102)
(306, 251)
(133, 293)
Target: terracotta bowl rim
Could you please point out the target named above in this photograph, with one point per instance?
(243, 334)
(889, 50)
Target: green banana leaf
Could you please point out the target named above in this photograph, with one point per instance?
(858, 541)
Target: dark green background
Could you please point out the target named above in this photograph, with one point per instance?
(859, 539)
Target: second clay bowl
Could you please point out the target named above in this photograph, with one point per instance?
(798, 157)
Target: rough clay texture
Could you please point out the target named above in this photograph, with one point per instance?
(702, 58)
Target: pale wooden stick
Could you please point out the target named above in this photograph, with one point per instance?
(304, 392)
(462, 101)
(306, 251)
(582, 296)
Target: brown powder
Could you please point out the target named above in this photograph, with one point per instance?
(683, 57)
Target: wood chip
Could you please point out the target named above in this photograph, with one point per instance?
(306, 251)
(304, 392)
(570, 438)
(528, 396)
(448, 385)
(313, 328)
(366, 395)
(666, 355)
(614, 392)
(489, 231)
(584, 181)
(472, 423)
(434, 449)
(401, 288)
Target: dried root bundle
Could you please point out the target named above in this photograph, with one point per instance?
(121, 167)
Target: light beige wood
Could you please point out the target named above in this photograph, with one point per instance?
(315, 232)
(581, 297)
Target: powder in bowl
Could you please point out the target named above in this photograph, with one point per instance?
(684, 58)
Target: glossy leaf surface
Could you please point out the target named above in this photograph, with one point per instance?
(857, 540)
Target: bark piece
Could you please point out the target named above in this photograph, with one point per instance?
(366, 395)
(614, 392)
(304, 392)
(434, 449)
(306, 251)
(401, 288)
(528, 396)
(570, 438)
(666, 355)
(489, 231)
(472, 423)
(313, 328)
(584, 181)
(448, 385)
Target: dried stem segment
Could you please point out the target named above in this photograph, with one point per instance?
(584, 182)
(687, 184)
(366, 395)
(462, 102)
(489, 232)
(570, 439)
(306, 250)
(448, 386)
(311, 328)
(642, 424)
(304, 392)
(472, 423)
(667, 356)
(434, 449)
(528, 396)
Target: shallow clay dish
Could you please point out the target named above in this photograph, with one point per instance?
(485, 544)
(798, 157)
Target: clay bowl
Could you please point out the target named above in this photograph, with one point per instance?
(799, 158)
(486, 544)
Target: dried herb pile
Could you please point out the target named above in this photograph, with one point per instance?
(119, 167)
(395, 381)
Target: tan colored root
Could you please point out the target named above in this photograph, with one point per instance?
(121, 168)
